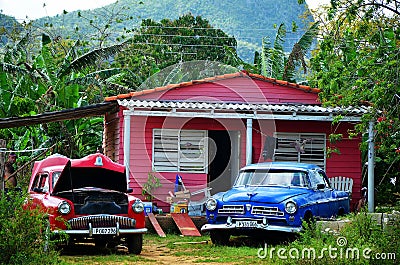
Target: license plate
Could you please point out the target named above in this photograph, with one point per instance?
(246, 223)
(104, 230)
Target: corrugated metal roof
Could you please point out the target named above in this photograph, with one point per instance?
(275, 108)
(69, 114)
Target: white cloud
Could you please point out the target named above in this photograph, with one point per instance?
(33, 9)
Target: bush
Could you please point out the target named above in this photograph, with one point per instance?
(22, 233)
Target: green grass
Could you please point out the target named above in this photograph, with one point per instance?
(220, 254)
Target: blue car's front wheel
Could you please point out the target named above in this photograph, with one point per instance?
(309, 221)
(220, 237)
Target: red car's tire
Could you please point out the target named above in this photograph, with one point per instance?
(135, 243)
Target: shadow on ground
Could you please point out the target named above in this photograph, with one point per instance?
(272, 239)
(79, 249)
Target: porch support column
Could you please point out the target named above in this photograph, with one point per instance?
(127, 144)
(371, 166)
(249, 141)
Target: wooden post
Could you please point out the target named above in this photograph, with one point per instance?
(371, 168)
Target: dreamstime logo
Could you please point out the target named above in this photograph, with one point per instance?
(340, 251)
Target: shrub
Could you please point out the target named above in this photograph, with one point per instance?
(22, 233)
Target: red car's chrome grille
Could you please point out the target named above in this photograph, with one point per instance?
(101, 221)
(269, 211)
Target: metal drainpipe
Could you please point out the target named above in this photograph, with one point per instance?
(127, 144)
(371, 166)
(249, 141)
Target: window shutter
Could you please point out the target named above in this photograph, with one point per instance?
(180, 150)
(165, 154)
(300, 147)
(193, 147)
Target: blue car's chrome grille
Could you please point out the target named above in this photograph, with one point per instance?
(269, 211)
(232, 209)
(101, 221)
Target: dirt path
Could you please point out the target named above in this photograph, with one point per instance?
(156, 253)
(163, 255)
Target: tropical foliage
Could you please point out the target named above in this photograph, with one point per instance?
(357, 63)
(52, 76)
(274, 62)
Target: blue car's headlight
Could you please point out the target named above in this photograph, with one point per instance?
(290, 207)
(211, 204)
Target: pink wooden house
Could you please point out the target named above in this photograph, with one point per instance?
(206, 130)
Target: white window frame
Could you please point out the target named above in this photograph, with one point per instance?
(179, 156)
(284, 147)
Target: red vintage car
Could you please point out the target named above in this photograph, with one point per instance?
(88, 199)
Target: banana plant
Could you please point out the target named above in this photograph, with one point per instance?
(56, 78)
(298, 54)
(275, 63)
(75, 73)
(272, 58)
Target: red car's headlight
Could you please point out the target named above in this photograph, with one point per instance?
(64, 208)
(138, 206)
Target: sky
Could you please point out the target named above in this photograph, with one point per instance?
(33, 9)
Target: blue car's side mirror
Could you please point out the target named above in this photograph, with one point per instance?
(320, 186)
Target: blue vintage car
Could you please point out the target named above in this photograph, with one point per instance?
(275, 196)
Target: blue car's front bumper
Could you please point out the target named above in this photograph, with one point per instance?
(266, 227)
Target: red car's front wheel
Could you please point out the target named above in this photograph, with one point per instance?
(135, 243)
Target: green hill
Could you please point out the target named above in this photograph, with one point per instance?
(7, 26)
(247, 20)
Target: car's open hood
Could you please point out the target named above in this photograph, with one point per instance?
(267, 194)
(94, 170)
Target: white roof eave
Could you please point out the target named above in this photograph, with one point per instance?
(241, 110)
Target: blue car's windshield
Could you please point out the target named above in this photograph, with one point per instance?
(271, 177)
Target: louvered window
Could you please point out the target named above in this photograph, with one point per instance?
(300, 147)
(180, 150)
